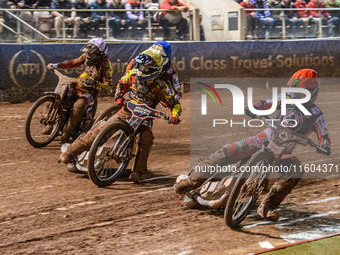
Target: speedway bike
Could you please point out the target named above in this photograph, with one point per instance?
(237, 191)
(114, 147)
(251, 183)
(51, 112)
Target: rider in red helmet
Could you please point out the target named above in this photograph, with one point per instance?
(307, 79)
(234, 152)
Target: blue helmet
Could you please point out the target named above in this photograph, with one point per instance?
(166, 47)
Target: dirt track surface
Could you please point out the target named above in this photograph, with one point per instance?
(46, 209)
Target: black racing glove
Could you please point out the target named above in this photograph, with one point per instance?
(324, 149)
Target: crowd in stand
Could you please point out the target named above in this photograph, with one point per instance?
(130, 24)
(298, 23)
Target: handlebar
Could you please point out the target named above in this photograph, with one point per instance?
(309, 141)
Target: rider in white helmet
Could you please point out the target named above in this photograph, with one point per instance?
(97, 74)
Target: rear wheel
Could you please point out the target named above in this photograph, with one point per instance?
(43, 121)
(110, 154)
(247, 189)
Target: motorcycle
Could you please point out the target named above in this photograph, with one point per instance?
(114, 147)
(239, 191)
(52, 112)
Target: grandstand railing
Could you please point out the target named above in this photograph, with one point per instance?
(192, 17)
(283, 25)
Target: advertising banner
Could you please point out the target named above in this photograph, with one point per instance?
(24, 66)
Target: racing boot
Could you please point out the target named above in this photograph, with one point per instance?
(136, 176)
(65, 138)
(80, 145)
(79, 109)
(144, 144)
(47, 130)
(183, 184)
(264, 212)
(281, 188)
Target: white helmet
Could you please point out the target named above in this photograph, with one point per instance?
(95, 50)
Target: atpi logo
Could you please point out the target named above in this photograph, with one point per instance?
(238, 99)
(27, 69)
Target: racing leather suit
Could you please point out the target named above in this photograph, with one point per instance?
(151, 94)
(234, 152)
(82, 94)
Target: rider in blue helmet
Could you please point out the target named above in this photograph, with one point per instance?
(166, 47)
(168, 74)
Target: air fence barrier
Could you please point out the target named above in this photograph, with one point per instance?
(23, 66)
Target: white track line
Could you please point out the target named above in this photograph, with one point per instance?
(160, 177)
(13, 163)
(9, 139)
(322, 200)
(12, 116)
(307, 218)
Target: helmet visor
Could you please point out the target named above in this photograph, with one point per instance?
(146, 69)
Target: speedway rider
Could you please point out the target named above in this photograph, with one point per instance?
(234, 152)
(97, 75)
(141, 86)
(168, 74)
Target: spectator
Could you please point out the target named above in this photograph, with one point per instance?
(98, 17)
(27, 16)
(291, 17)
(42, 19)
(6, 19)
(251, 19)
(86, 23)
(118, 20)
(174, 18)
(304, 15)
(266, 23)
(202, 35)
(70, 17)
(276, 15)
(323, 15)
(136, 18)
(152, 5)
(335, 14)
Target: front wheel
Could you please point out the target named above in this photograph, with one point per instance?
(43, 121)
(109, 112)
(247, 189)
(110, 154)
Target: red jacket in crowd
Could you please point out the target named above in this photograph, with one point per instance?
(301, 4)
(166, 5)
(248, 6)
(315, 14)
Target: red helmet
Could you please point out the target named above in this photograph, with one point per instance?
(307, 79)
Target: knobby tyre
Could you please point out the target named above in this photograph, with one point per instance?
(246, 190)
(42, 112)
(110, 154)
